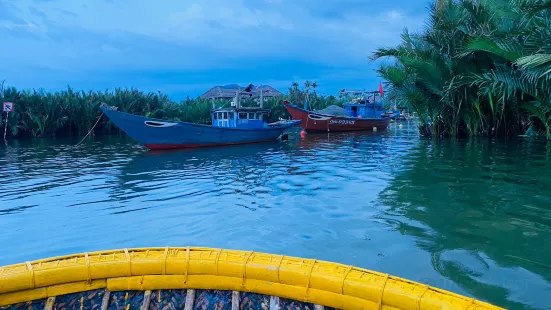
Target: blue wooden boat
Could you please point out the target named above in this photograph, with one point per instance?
(367, 104)
(230, 126)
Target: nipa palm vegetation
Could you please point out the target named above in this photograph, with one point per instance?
(73, 113)
(479, 68)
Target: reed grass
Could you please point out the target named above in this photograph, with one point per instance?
(38, 113)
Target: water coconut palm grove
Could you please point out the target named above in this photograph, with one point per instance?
(430, 190)
(480, 68)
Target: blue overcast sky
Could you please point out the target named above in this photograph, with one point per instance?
(184, 47)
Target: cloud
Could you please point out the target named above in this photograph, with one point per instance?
(33, 10)
(125, 35)
(9, 13)
(394, 15)
(67, 13)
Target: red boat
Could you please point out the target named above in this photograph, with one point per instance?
(314, 121)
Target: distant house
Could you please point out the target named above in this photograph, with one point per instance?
(229, 91)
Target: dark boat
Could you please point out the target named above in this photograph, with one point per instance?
(362, 113)
(230, 126)
(314, 121)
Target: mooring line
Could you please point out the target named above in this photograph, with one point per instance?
(89, 132)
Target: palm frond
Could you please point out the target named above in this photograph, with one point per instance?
(477, 62)
(534, 61)
(504, 50)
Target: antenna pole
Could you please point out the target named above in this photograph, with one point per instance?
(261, 99)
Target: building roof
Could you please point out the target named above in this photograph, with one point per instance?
(229, 91)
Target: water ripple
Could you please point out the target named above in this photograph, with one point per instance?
(466, 216)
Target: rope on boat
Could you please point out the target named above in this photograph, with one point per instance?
(89, 132)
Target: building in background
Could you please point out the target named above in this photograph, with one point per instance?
(230, 91)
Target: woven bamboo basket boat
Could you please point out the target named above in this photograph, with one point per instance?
(204, 278)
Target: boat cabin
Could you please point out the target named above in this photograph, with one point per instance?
(247, 118)
(237, 116)
(364, 104)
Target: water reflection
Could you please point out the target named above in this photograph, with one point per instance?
(473, 217)
(483, 211)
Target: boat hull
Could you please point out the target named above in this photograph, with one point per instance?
(204, 278)
(161, 134)
(329, 123)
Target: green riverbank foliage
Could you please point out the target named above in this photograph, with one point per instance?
(73, 113)
(480, 68)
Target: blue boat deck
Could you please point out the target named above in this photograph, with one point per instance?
(244, 118)
(366, 104)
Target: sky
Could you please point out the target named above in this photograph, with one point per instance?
(184, 47)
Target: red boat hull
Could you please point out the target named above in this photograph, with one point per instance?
(320, 122)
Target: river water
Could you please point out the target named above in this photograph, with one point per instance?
(469, 216)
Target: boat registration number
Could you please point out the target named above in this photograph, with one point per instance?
(342, 122)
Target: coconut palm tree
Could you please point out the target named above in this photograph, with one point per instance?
(481, 67)
(307, 85)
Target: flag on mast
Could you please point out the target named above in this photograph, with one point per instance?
(381, 91)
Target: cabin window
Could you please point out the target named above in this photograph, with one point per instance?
(242, 115)
(215, 115)
(230, 115)
(225, 115)
(258, 115)
(251, 115)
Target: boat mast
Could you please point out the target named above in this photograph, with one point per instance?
(261, 99)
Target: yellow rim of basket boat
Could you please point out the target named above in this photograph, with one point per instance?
(319, 282)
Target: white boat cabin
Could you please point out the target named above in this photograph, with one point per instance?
(247, 118)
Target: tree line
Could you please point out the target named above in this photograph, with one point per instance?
(479, 68)
(38, 113)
